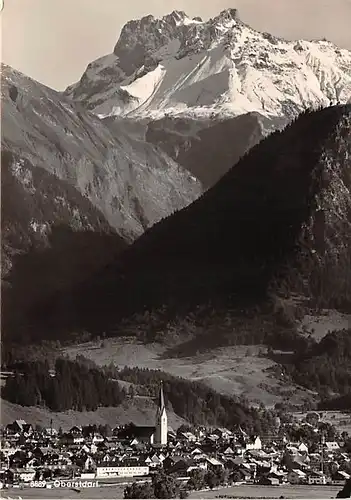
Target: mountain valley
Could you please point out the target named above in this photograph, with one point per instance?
(191, 196)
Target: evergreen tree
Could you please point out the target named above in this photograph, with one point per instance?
(196, 480)
(164, 486)
(346, 491)
(136, 490)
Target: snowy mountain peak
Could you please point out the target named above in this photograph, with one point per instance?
(149, 34)
(141, 39)
(177, 17)
(227, 15)
(182, 66)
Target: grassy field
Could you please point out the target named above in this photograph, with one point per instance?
(99, 492)
(229, 370)
(248, 491)
(244, 491)
(319, 325)
(341, 420)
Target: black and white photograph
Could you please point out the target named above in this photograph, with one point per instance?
(175, 249)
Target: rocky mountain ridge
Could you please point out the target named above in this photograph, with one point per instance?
(198, 87)
(122, 177)
(221, 67)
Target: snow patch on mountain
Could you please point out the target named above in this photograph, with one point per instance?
(187, 67)
(23, 175)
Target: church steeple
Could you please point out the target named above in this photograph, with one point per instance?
(161, 429)
(161, 399)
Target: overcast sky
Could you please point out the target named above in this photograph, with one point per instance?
(54, 40)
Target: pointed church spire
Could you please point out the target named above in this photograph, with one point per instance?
(161, 402)
(161, 427)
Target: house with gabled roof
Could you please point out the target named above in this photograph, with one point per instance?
(340, 477)
(137, 434)
(296, 476)
(18, 427)
(51, 431)
(196, 451)
(332, 446)
(302, 448)
(89, 464)
(213, 463)
(189, 436)
(229, 451)
(223, 433)
(155, 461)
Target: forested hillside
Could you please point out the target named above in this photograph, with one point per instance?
(81, 385)
(325, 366)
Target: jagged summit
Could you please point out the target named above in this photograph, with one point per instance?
(142, 39)
(188, 67)
(172, 23)
(229, 14)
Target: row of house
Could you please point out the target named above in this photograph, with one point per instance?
(29, 454)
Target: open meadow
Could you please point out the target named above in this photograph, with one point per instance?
(256, 491)
(229, 370)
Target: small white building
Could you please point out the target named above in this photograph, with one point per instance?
(189, 436)
(122, 471)
(89, 464)
(254, 444)
(214, 463)
(332, 446)
(97, 438)
(51, 432)
(316, 477)
(87, 475)
(303, 448)
(26, 475)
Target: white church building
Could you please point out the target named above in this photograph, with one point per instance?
(156, 435)
(161, 424)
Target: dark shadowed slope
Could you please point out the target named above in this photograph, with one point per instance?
(52, 236)
(208, 148)
(279, 221)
